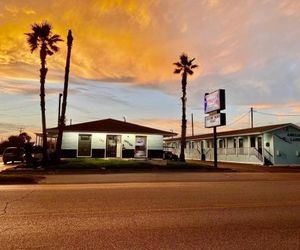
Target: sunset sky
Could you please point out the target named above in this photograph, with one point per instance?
(122, 61)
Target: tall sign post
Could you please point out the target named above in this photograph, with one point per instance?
(214, 102)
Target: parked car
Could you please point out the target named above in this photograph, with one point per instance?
(37, 153)
(13, 154)
(168, 155)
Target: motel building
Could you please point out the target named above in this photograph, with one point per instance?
(268, 145)
(108, 138)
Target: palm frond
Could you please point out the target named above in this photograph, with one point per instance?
(194, 66)
(32, 40)
(190, 62)
(177, 71)
(41, 35)
(36, 28)
(178, 64)
(55, 38)
(54, 47)
(45, 30)
(49, 52)
(184, 59)
(189, 71)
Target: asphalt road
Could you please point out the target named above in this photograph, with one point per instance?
(247, 214)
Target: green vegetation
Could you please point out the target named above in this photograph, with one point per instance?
(130, 165)
(19, 179)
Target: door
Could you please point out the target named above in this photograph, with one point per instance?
(140, 147)
(259, 145)
(113, 146)
(84, 145)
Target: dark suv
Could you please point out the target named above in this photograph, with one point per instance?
(13, 154)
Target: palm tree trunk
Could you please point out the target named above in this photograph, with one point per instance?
(64, 103)
(43, 74)
(183, 120)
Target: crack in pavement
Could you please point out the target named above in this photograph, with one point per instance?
(4, 210)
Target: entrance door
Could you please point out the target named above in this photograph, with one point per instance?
(140, 147)
(113, 146)
(259, 145)
(84, 145)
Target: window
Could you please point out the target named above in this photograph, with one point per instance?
(252, 142)
(241, 143)
(234, 142)
(221, 143)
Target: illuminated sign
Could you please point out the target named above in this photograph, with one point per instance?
(214, 101)
(215, 120)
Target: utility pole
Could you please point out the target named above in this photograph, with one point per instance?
(59, 106)
(192, 125)
(21, 130)
(215, 147)
(65, 94)
(251, 116)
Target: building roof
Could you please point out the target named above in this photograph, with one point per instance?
(112, 126)
(239, 132)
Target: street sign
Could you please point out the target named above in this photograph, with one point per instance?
(215, 120)
(214, 101)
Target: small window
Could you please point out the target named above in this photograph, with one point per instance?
(234, 142)
(241, 143)
(252, 142)
(85, 137)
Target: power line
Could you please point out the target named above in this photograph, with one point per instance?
(239, 118)
(263, 113)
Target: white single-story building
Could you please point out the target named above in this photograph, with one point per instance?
(268, 145)
(110, 138)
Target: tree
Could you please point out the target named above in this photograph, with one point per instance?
(184, 66)
(62, 119)
(15, 141)
(41, 38)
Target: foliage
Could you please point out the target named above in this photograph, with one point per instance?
(15, 141)
(130, 165)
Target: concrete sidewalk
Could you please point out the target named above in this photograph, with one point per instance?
(166, 177)
(242, 167)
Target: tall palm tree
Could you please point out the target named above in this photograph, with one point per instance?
(184, 66)
(61, 124)
(42, 38)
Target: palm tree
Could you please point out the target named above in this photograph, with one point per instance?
(61, 124)
(41, 38)
(184, 66)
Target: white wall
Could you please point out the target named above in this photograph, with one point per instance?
(155, 142)
(286, 144)
(98, 141)
(70, 140)
(128, 140)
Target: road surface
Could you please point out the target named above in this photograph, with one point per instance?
(247, 214)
